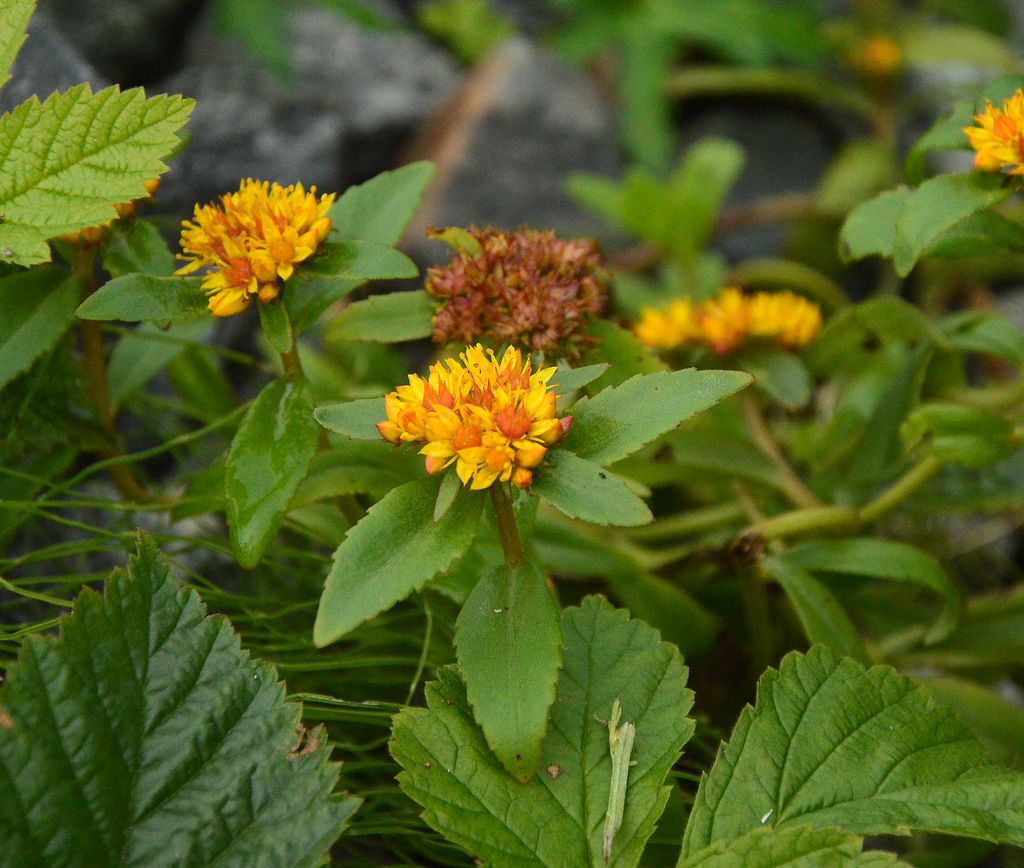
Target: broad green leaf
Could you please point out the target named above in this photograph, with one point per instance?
(356, 419)
(622, 350)
(620, 420)
(142, 735)
(395, 550)
(380, 209)
(968, 435)
(136, 247)
(357, 467)
(870, 229)
(582, 489)
(876, 558)
(782, 376)
(276, 326)
(824, 620)
(938, 204)
(508, 640)
(793, 847)
(268, 458)
(829, 743)
(139, 356)
(567, 380)
(391, 318)
(556, 819)
(996, 722)
(983, 234)
(36, 308)
(14, 16)
(143, 297)
(78, 154)
(985, 332)
(894, 320)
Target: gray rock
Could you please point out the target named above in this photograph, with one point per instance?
(505, 144)
(353, 98)
(46, 63)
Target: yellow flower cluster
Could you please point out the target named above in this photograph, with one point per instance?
(730, 319)
(998, 140)
(253, 239)
(493, 419)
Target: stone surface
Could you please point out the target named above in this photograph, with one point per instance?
(46, 63)
(505, 144)
(353, 99)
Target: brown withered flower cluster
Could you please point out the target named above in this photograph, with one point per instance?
(524, 288)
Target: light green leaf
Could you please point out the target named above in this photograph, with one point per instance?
(645, 113)
(14, 17)
(357, 467)
(567, 380)
(391, 318)
(824, 620)
(882, 559)
(582, 489)
(142, 297)
(36, 308)
(141, 355)
(356, 419)
(794, 847)
(829, 743)
(508, 640)
(395, 550)
(556, 819)
(380, 209)
(276, 326)
(780, 375)
(983, 234)
(78, 154)
(268, 458)
(986, 332)
(967, 435)
(620, 420)
(142, 735)
(136, 246)
(870, 229)
(863, 168)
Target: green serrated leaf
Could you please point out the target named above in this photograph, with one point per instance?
(556, 819)
(14, 17)
(268, 458)
(508, 643)
(136, 247)
(380, 209)
(395, 550)
(143, 736)
(356, 419)
(143, 297)
(36, 308)
(622, 419)
(78, 154)
(829, 743)
(882, 559)
(582, 489)
(795, 847)
(391, 318)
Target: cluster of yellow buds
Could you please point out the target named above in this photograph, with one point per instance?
(93, 234)
(998, 138)
(253, 239)
(730, 319)
(493, 419)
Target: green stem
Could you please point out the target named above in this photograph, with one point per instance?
(798, 521)
(508, 531)
(902, 488)
(292, 365)
(687, 523)
(792, 485)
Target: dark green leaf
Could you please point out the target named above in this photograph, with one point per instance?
(983, 234)
(965, 434)
(143, 736)
(356, 419)
(268, 458)
(780, 375)
(623, 351)
(582, 489)
(508, 640)
(391, 318)
(997, 723)
(395, 550)
(986, 332)
(358, 259)
(380, 209)
(870, 230)
(141, 355)
(277, 328)
(136, 247)
(792, 847)
(143, 297)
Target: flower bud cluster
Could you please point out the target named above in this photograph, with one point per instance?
(494, 420)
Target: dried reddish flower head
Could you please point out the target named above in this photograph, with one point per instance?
(524, 288)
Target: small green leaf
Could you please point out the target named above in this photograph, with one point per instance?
(792, 847)
(782, 376)
(986, 332)
(36, 308)
(832, 744)
(142, 735)
(983, 234)
(395, 550)
(139, 356)
(356, 419)
(136, 247)
(824, 620)
(508, 641)
(870, 229)
(143, 297)
(277, 328)
(567, 380)
(556, 818)
(391, 318)
(622, 419)
(582, 489)
(968, 435)
(882, 559)
(14, 17)
(268, 458)
(78, 155)
(358, 259)
(380, 209)
(451, 485)
(458, 239)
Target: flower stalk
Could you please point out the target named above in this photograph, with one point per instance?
(508, 530)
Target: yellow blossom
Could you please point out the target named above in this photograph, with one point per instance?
(252, 240)
(672, 327)
(494, 420)
(725, 320)
(998, 138)
(791, 319)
